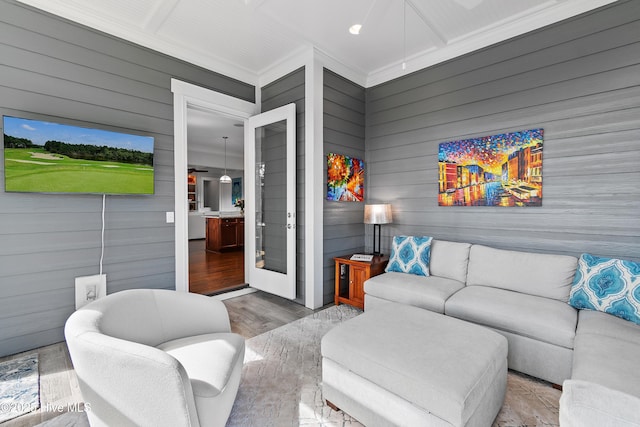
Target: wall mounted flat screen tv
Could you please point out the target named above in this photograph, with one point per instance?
(46, 157)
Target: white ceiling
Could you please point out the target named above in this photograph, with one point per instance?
(247, 39)
(250, 39)
(205, 145)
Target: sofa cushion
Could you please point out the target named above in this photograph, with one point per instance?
(597, 322)
(542, 319)
(587, 404)
(606, 351)
(609, 285)
(607, 360)
(544, 275)
(425, 292)
(449, 259)
(197, 355)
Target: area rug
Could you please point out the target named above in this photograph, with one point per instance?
(19, 386)
(281, 382)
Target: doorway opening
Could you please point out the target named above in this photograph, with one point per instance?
(215, 148)
(188, 101)
(191, 105)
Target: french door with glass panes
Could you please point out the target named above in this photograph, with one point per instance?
(270, 203)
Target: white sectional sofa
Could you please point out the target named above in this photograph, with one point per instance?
(524, 296)
(604, 389)
(521, 295)
(448, 274)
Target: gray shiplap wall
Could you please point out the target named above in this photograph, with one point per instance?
(291, 89)
(579, 80)
(57, 70)
(344, 125)
(273, 152)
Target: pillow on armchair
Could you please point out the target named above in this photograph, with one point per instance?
(410, 254)
(609, 285)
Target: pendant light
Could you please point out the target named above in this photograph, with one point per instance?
(225, 179)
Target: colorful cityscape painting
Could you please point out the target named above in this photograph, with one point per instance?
(345, 178)
(498, 170)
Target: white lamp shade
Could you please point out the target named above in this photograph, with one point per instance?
(225, 179)
(378, 214)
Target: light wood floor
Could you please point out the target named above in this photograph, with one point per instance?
(260, 312)
(58, 385)
(250, 315)
(211, 272)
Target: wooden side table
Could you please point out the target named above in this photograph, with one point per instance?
(351, 275)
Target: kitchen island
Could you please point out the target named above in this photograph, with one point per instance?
(224, 233)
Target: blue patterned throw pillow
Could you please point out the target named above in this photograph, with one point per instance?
(609, 285)
(410, 254)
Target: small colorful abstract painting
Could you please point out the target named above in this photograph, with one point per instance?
(498, 170)
(236, 190)
(345, 178)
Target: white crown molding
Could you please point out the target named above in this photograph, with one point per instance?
(486, 37)
(357, 76)
(169, 47)
(303, 57)
(548, 13)
(296, 59)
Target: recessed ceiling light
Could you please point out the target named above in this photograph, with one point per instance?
(355, 29)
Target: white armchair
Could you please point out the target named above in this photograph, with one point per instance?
(148, 357)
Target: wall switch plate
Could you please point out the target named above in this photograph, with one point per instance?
(90, 288)
(171, 217)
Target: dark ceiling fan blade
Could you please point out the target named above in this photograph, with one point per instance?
(192, 170)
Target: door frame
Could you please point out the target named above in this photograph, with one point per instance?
(185, 95)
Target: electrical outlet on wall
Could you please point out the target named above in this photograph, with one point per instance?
(90, 288)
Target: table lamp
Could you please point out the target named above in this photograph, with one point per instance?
(377, 215)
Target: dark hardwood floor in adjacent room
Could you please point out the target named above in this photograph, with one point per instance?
(211, 272)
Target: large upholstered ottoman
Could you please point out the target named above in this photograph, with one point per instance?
(402, 365)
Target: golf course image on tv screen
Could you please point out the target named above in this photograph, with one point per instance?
(47, 157)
